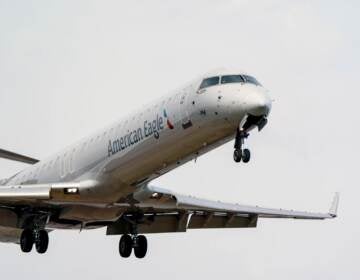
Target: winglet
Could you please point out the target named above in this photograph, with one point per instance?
(334, 205)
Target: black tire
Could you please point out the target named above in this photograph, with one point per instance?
(42, 242)
(237, 155)
(26, 240)
(246, 155)
(141, 248)
(125, 246)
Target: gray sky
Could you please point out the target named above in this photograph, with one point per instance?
(68, 68)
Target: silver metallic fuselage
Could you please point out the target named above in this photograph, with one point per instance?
(112, 163)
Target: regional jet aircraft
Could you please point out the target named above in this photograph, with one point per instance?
(105, 179)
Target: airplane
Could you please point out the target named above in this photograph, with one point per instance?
(104, 180)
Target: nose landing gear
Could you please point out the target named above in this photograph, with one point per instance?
(239, 152)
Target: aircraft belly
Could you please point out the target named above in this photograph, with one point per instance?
(88, 214)
(8, 226)
(8, 218)
(10, 234)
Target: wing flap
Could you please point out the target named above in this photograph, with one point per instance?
(199, 221)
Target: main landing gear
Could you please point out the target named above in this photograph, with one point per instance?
(239, 152)
(38, 237)
(136, 242)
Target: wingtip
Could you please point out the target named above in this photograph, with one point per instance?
(334, 205)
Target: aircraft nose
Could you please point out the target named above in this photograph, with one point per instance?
(259, 104)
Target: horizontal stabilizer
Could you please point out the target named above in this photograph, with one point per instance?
(17, 157)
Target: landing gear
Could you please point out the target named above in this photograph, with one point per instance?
(243, 155)
(26, 240)
(136, 242)
(125, 246)
(41, 241)
(246, 155)
(239, 152)
(140, 246)
(237, 155)
(30, 237)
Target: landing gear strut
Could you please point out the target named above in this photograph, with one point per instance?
(38, 237)
(239, 152)
(136, 242)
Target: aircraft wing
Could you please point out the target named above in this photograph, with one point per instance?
(161, 210)
(189, 203)
(166, 211)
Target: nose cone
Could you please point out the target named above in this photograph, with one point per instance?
(258, 103)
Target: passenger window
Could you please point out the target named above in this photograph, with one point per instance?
(209, 82)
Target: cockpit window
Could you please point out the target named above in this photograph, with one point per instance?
(251, 80)
(227, 79)
(209, 82)
(232, 79)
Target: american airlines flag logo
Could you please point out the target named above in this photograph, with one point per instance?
(169, 124)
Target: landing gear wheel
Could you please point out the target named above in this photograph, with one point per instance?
(141, 247)
(26, 240)
(246, 155)
(237, 155)
(125, 246)
(239, 152)
(42, 241)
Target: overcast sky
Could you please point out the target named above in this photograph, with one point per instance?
(68, 68)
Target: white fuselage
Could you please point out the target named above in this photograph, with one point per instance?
(152, 141)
